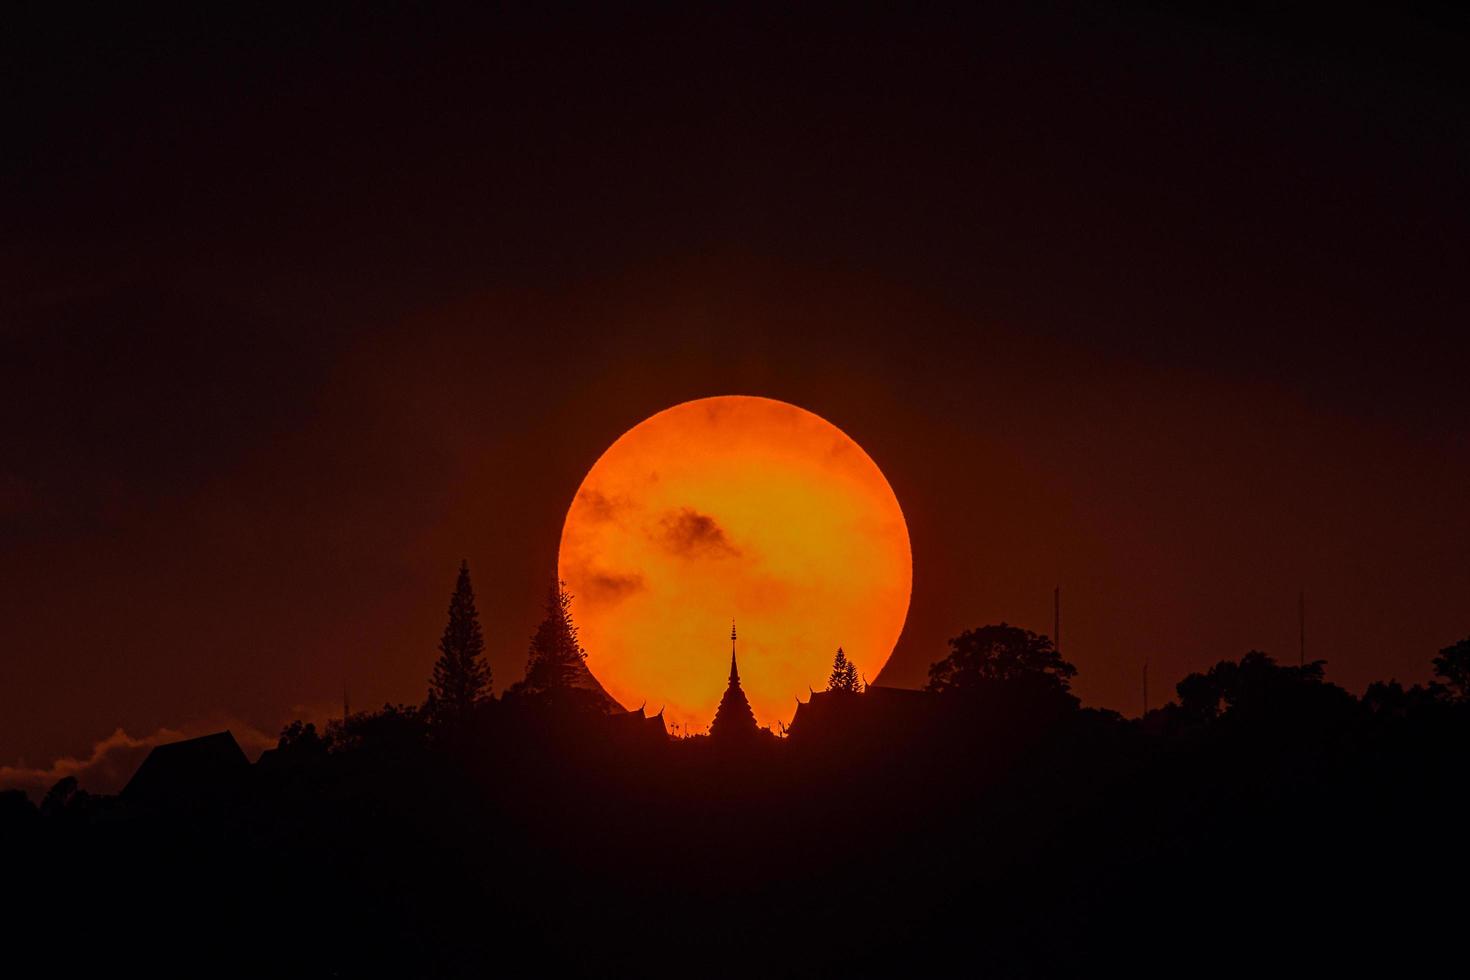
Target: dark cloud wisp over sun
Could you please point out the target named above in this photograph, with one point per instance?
(689, 534)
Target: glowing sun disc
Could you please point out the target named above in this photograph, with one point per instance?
(734, 507)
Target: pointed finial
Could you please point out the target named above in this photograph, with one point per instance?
(734, 673)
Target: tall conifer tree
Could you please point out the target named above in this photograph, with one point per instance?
(461, 678)
(556, 659)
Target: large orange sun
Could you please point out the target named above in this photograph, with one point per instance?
(734, 508)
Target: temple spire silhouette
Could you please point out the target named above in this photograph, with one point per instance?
(733, 718)
(734, 673)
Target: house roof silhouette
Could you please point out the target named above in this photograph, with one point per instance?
(183, 767)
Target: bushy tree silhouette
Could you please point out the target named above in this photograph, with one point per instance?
(461, 680)
(395, 728)
(556, 660)
(1199, 698)
(1001, 653)
(1257, 688)
(1390, 698)
(1453, 665)
(844, 675)
(300, 740)
(59, 795)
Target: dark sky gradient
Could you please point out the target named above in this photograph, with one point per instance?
(296, 314)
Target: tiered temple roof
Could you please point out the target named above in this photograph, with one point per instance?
(733, 719)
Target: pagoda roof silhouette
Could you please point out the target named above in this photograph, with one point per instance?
(733, 719)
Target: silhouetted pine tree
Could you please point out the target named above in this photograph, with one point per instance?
(461, 678)
(844, 675)
(556, 659)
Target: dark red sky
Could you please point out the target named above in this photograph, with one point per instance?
(294, 315)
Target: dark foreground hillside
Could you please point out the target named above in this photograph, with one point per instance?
(994, 832)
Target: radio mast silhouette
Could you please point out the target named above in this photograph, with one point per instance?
(1056, 619)
(1301, 617)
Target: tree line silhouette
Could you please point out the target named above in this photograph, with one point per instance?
(1265, 818)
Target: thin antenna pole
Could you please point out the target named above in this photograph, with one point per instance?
(1056, 619)
(1301, 612)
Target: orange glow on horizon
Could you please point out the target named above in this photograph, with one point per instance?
(734, 507)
